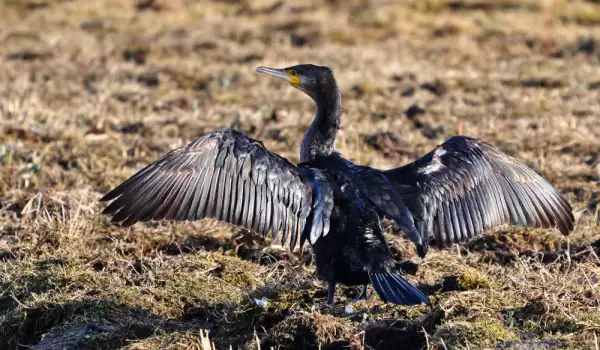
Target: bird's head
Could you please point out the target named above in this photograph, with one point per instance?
(315, 81)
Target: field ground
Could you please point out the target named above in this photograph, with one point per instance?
(90, 91)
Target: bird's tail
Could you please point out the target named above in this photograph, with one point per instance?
(393, 288)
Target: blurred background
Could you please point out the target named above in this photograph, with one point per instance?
(91, 91)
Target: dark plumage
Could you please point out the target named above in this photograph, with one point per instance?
(459, 190)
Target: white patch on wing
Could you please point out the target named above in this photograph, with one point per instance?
(439, 151)
(436, 164)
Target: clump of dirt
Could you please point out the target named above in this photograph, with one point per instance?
(309, 330)
(410, 331)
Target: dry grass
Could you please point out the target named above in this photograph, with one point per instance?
(90, 91)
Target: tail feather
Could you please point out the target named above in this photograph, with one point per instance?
(393, 288)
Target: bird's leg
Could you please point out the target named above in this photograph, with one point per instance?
(362, 295)
(330, 292)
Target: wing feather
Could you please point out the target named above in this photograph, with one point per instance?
(465, 187)
(220, 198)
(224, 175)
(205, 192)
(250, 208)
(195, 197)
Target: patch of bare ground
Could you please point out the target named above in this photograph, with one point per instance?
(91, 91)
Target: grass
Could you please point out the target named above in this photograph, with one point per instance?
(92, 91)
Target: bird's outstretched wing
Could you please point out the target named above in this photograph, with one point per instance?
(465, 187)
(223, 175)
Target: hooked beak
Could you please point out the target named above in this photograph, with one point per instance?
(277, 73)
(280, 73)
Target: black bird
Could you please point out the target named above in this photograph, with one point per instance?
(457, 191)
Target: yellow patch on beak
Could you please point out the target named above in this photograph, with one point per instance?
(294, 80)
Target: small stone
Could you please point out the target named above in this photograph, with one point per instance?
(262, 302)
(407, 91)
(92, 26)
(148, 79)
(436, 87)
(136, 54)
(414, 111)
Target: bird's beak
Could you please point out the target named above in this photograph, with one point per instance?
(279, 73)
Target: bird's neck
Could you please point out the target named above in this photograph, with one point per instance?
(319, 139)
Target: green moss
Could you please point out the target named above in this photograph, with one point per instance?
(25, 325)
(489, 331)
(591, 321)
(389, 311)
(288, 299)
(581, 13)
(238, 272)
(54, 291)
(52, 277)
(481, 332)
(472, 279)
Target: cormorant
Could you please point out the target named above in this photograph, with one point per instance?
(457, 191)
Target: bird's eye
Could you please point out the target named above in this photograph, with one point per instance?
(293, 76)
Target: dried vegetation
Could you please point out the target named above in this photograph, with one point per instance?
(90, 91)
